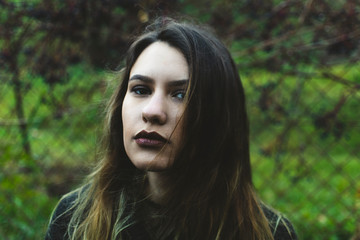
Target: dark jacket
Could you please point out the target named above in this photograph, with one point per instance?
(59, 222)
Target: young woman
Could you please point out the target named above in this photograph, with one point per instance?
(176, 152)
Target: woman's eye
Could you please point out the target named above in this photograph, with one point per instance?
(141, 90)
(179, 95)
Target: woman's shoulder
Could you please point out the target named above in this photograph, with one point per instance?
(61, 216)
(67, 201)
(281, 227)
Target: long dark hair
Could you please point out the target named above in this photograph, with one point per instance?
(211, 194)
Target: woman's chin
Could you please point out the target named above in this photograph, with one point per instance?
(152, 166)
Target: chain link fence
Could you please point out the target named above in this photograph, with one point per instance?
(305, 143)
(305, 149)
(304, 114)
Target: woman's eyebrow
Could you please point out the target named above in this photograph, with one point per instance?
(178, 83)
(141, 78)
(173, 83)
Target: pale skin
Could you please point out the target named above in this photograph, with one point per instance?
(152, 110)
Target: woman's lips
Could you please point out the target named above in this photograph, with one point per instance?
(150, 139)
(145, 142)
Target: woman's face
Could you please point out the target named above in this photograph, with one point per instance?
(153, 106)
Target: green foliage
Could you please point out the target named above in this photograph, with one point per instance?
(303, 155)
(25, 206)
(299, 65)
(69, 113)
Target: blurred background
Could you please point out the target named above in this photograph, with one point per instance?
(299, 62)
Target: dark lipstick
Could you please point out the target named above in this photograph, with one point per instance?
(150, 139)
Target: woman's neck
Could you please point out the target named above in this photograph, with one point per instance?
(157, 186)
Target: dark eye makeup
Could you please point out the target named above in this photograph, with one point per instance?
(144, 90)
(141, 90)
(179, 94)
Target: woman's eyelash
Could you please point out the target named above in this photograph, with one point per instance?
(140, 90)
(144, 90)
(180, 94)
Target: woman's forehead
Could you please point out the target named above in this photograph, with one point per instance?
(161, 61)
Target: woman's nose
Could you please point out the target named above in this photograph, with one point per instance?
(155, 110)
